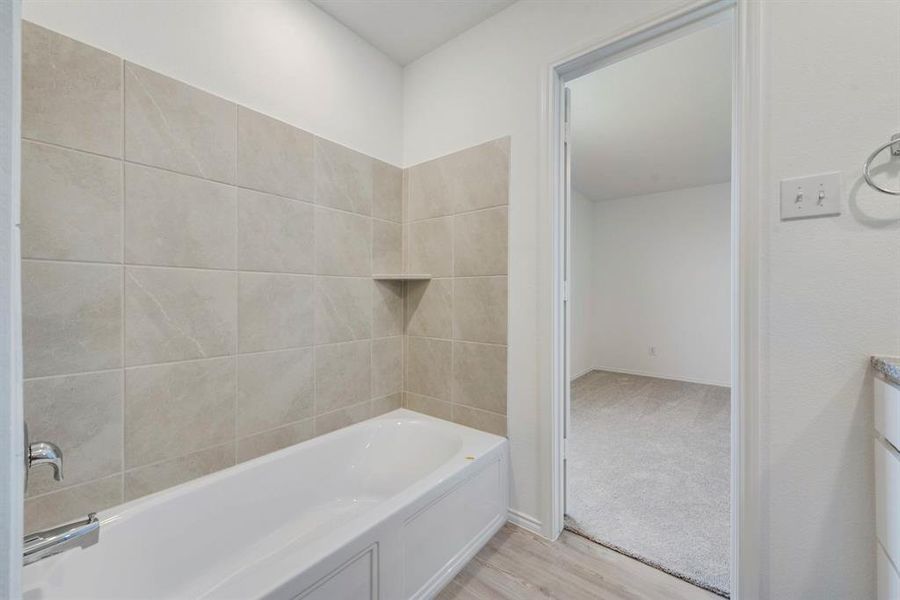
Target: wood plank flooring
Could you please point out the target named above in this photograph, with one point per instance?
(519, 565)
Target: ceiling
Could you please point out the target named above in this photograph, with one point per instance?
(656, 121)
(408, 29)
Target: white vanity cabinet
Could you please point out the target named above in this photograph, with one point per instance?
(887, 487)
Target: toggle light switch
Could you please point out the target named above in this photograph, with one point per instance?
(813, 196)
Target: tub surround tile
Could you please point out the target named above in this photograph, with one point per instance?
(178, 221)
(479, 376)
(431, 247)
(429, 308)
(387, 247)
(177, 409)
(157, 477)
(428, 369)
(72, 317)
(274, 388)
(274, 234)
(479, 309)
(429, 406)
(71, 205)
(245, 308)
(257, 445)
(344, 178)
(387, 308)
(276, 311)
(479, 419)
(343, 309)
(343, 375)
(83, 415)
(178, 314)
(275, 157)
(387, 190)
(343, 244)
(71, 92)
(456, 228)
(479, 243)
(175, 126)
(343, 417)
(56, 508)
(387, 366)
(384, 405)
(470, 179)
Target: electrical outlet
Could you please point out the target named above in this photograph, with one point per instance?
(652, 350)
(813, 196)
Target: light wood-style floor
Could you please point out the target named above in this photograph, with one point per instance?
(518, 565)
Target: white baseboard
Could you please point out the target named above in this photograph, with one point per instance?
(662, 376)
(583, 372)
(525, 521)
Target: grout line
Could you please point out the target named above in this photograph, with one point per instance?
(122, 384)
(237, 286)
(460, 214)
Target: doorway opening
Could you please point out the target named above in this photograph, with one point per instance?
(649, 300)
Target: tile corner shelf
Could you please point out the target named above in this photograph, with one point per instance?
(402, 276)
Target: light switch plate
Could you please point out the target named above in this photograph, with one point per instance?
(813, 196)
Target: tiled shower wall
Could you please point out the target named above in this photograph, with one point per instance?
(197, 280)
(456, 324)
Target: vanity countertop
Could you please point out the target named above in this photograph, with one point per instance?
(889, 366)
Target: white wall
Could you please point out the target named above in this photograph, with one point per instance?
(830, 287)
(660, 275)
(581, 286)
(285, 58)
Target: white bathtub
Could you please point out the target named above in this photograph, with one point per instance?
(389, 508)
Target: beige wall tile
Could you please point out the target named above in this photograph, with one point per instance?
(387, 192)
(82, 414)
(431, 247)
(479, 309)
(72, 503)
(178, 314)
(344, 178)
(71, 92)
(71, 205)
(343, 417)
(479, 243)
(429, 366)
(276, 311)
(479, 376)
(428, 192)
(343, 243)
(429, 406)
(343, 309)
(251, 447)
(154, 478)
(387, 366)
(174, 410)
(343, 375)
(275, 234)
(470, 179)
(384, 405)
(387, 308)
(172, 125)
(72, 317)
(479, 419)
(178, 221)
(274, 157)
(429, 308)
(387, 247)
(274, 388)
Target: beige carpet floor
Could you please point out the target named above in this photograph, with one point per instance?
(648, 472)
